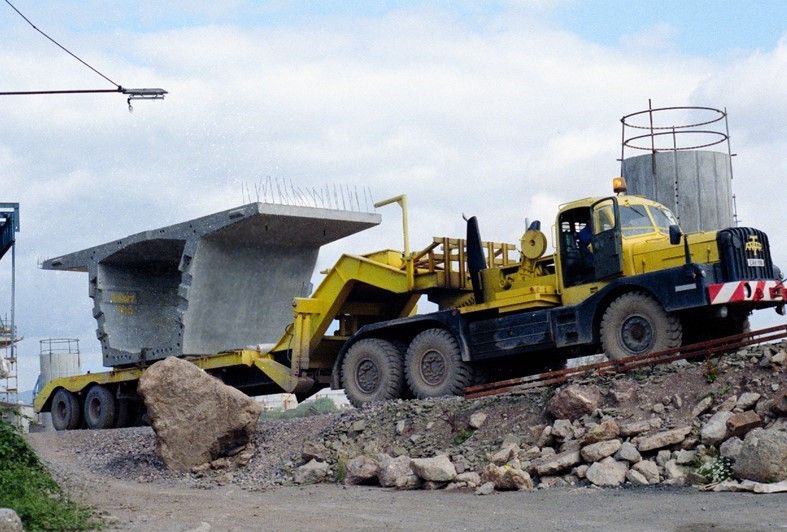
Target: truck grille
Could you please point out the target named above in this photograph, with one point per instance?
(745, 254)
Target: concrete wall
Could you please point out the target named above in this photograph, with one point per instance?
(702, 182)
(211, 284)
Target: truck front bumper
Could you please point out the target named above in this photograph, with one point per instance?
(747, 292)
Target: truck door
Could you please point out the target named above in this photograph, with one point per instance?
(607, 243)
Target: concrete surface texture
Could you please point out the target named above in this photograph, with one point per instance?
(214, 283)
(698, 190)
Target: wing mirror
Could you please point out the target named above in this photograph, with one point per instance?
(674, 235)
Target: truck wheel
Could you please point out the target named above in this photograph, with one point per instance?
(100, 408)
(433, 365)
(66, 413)
(372, 371)
(636, 324)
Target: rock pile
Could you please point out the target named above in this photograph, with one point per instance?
(605, 432)
(200, 423)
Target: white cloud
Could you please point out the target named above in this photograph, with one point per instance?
(503, 122)
(658, 38)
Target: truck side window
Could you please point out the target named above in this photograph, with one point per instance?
(603, 217)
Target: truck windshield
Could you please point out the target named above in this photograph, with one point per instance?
(663, 218)
(634, 220)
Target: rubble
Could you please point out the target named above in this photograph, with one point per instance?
(507, 442)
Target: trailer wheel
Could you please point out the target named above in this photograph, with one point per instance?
(372, 371)
(636, 324)
(66, 413)
(433, 365)
(100, 408)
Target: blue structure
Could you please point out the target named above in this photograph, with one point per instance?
(9, 226)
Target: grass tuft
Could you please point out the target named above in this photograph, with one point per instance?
(27, 488)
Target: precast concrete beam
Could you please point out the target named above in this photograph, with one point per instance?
(211, 284)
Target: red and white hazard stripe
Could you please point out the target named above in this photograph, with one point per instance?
(739, 291)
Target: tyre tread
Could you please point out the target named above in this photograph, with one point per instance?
(673, 329)
(463, 376)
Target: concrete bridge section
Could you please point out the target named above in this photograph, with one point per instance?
(207, 285)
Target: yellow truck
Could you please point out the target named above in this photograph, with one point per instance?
(623, 280)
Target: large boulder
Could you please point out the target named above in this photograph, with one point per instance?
(574, 401)
(606, 430)
(392, 469)
(556, 464)
(596, 452)
(437, 469)
(662, 439)
(763, 455)
(608, 472)
(196, 417)
(311, 472)
(629, 453)
(648, 469)
(507, 477)
(361, 470)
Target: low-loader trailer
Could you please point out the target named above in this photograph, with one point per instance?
(623, 280)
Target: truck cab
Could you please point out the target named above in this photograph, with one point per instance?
(599, 239)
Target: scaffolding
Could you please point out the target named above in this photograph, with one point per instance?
(8, 364)
(9, 226)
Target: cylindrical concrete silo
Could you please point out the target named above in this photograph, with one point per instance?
(59, 357)
(680, 171)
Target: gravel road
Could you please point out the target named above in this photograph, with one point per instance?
(162, 504)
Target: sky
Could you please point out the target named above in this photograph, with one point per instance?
(502, 110)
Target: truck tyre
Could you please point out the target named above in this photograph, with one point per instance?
(66, 413)
(636, 324)
(372, 371)
(100, 408)
(434, 367)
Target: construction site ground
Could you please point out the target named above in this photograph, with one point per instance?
(131, 505)
(120, 474)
